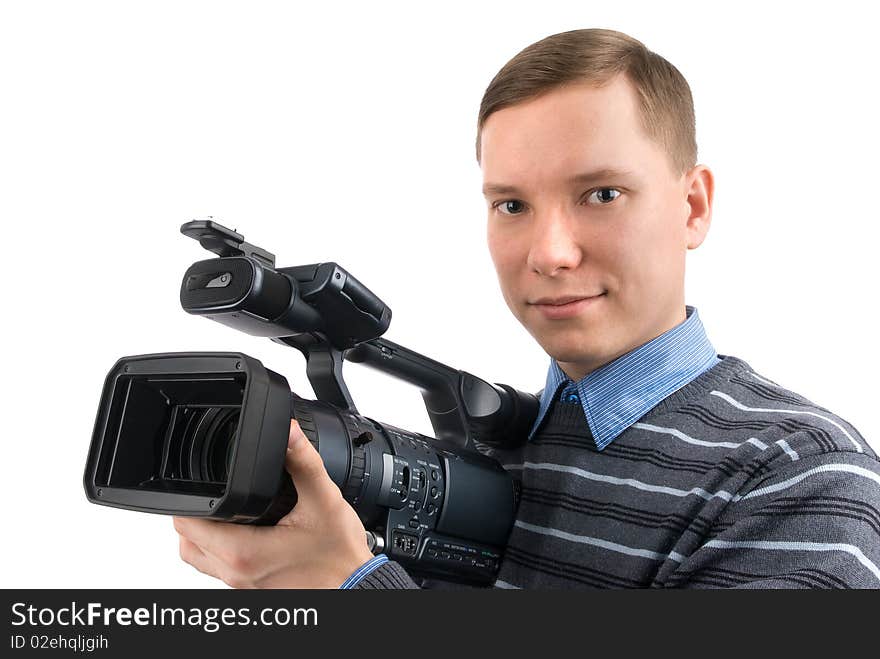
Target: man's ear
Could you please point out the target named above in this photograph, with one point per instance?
(700, 186)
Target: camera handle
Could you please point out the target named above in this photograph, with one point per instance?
(323, 368)
(462, 407)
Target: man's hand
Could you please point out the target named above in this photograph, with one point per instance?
(318, 544)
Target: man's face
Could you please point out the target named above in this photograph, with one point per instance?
(582, 203)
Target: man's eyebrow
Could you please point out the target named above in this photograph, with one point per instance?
(583, 179)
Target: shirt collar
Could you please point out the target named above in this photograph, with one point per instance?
(619, 393)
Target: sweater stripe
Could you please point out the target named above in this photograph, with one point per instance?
(678, 434)
(806, 578)
(761, 379)
(770, 545)
(587, 540)
(784, 485)
(613, 511)
(630, 482)
(740, 406)
(821, 436)
(655, 457)
(767, 393)
(790, 452)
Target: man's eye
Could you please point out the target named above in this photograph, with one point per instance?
(604, 195)
(510, 207)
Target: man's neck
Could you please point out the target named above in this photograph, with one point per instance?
(579, 370)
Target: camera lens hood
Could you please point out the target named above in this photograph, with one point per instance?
(193, 434)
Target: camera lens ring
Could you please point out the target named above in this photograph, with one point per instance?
(195, 447)
(207, 444)
(181, 469)
(216, 455)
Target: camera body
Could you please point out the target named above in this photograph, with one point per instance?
(205, 434)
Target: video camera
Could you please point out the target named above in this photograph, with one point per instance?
(204, 434)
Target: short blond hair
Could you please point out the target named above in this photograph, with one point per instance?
(597, 56)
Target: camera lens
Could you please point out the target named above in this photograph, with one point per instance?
(216, 457)
(208, 444)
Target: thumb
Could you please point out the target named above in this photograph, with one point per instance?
(306, 468)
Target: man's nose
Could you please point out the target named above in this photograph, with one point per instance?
(554, 244)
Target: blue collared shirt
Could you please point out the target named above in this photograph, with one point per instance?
(363, 571)
(619, 393)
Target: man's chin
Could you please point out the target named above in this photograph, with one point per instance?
(573, 353)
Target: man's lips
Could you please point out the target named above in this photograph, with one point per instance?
(566, 307)
(564, 299)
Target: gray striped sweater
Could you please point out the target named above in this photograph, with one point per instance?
(731, 481)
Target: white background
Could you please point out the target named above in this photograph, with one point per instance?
(346, 133)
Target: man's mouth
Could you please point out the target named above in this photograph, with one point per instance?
(565, 306)
(564, 299)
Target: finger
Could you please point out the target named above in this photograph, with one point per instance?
(223, 540)
(307, 470)
(191, 554)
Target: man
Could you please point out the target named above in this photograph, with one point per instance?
(654, 462)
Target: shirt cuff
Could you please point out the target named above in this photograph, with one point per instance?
(363, 571)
